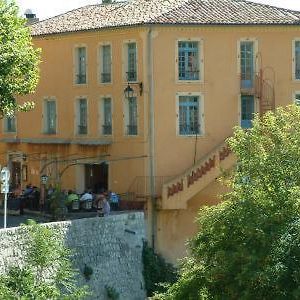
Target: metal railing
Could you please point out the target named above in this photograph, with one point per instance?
(105, 77)
(132, 130)
(82, 129)
(131, 76)
(50, 130)
(107, 129)
(189, 75)
(141, 187)
(80, 78)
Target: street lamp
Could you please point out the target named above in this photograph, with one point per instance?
(44, 179)
(129, 92)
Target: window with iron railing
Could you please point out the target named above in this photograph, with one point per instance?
(188, 60)
(297, 60)
(82, 129)
(189, 115)
(82, 116)
(50, 117)
(247, 110)
(106, 116)
(297, 99)
(247, 64)
(132, 117)
(10, 124)
(80, 61)
(105, 64)
(131, 72)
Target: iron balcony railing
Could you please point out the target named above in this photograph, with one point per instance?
(107, 129)
(189, 129)
(131, 76)
(189, 75)
(132, 130)
(82, 129)
(81, 78)
(105, 77)
(50, 130)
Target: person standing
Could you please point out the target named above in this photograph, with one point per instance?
(105, 207)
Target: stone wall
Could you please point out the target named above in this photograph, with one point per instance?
(111, 246)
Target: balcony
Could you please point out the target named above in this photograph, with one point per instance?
(132, 130)
(189, 129)
(107, 129)
(80, 78)
(50, 130)
(82, 129)
(105, 77)
(131, 76)
(189, 75)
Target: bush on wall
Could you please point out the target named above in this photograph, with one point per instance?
(157, 272)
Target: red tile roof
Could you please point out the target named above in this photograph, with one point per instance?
(140, 12)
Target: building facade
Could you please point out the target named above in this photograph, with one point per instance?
(138, 97)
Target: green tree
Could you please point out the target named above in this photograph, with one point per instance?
(19, 61)
(248, 246)
(47, 271)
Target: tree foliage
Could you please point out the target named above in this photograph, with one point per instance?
(19, 61)
(157, 272)
(47, 271)
(248, 246)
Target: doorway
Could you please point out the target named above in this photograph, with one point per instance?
(96, 177)
(15, 174)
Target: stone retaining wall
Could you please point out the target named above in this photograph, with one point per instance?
(111, 246)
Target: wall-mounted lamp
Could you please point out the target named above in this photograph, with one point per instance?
(129, 91)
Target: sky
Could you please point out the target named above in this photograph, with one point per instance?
(46, 9)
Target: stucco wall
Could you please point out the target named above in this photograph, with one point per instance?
(112, 246)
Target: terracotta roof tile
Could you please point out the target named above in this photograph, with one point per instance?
(139, 12)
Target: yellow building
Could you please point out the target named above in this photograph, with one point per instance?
(138, 97)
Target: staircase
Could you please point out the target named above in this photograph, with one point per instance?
(177, 192)
(140, 189)
(264, 91)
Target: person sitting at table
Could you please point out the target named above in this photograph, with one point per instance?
(28, 190)
(87, 196)
(72, 197)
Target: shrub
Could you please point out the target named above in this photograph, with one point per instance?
(47, 271)
(157, 272)
(248, 246)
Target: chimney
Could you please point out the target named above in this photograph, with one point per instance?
(30, 17)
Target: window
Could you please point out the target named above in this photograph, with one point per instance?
(105, 56)
(247, 110)
(131, 62)
(50, 117)
(82, 116)
(297, 99)
(106, 116)
(10, 124)
(247, 64)
(297, 60)
(189, 115)
(80, 61)
(188, 60)
(131, 116)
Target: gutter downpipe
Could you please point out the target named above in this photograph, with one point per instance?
(151, 136)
